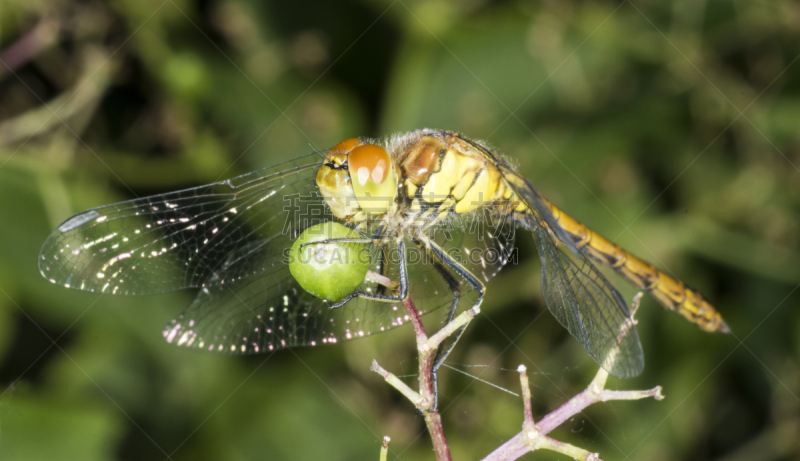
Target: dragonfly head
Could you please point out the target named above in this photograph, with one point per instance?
(357, 179)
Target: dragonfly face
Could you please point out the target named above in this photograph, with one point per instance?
(357, 180)
(440, 214)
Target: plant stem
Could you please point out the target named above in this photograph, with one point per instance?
(530, 439)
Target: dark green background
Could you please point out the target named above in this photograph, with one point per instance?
(670, 127)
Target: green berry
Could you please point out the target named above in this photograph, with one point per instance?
(329, 271)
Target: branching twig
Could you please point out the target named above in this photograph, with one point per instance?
(533, 436)
(425, 399)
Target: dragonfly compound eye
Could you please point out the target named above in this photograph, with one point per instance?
(373, 178)
(345, 146)
(330, 270)
(333, 181)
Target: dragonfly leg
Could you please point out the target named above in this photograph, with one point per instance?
(339, 240)
(403, 288)
(444, 351)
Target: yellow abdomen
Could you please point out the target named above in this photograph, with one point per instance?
(667, 290)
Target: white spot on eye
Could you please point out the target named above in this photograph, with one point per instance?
(377, 173)
(363, 175)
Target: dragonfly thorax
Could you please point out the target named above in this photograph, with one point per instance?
(444, 175)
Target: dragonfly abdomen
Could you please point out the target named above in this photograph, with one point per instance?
(667, 290)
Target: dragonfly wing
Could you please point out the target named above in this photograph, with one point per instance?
(175, 240)
(524, 190)
(588, 306)
(482, 241)
(534, 199)
(268, 310)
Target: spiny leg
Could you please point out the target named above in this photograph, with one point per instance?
(403, 288)
(441, 259)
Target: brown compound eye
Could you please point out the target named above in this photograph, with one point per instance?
(373, 178)
(345, 146)
(369, 162)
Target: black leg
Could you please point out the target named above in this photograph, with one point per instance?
(445, 259)
(402, 295)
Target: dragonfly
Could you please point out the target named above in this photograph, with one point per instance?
(438, 210)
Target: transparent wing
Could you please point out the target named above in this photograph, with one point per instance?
(577, 294)
(269, 310)
(587, 305)
(526, 191)
(482, 241)
(175, 240)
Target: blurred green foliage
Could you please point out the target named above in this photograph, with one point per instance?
(671, 127)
